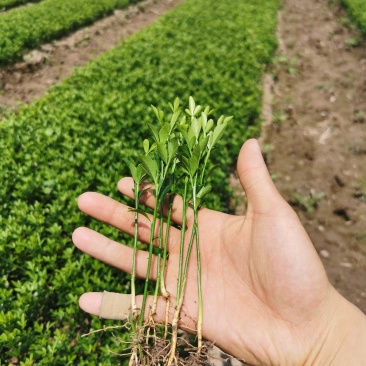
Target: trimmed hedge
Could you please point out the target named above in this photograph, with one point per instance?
(357, 11)
(27, 28)
(7, 4)
(73, 140)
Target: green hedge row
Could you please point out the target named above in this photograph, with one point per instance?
(27, 28)
(7, 4)
(357, 11)
(74, 139)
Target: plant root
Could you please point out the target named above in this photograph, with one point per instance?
(156, 350)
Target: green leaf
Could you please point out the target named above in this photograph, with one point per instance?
(197, 110)
(146, 145)
(188, 137)
(196, 127)
(184, 151)
(203, 120)
(172, 149)
(217, 134)
(175, 107)
(158, 113)
(203, 144)
(184, 162)
(197, 152)
(228, 119)
(163, 153)
(220, 120)
(174, 119)
(211, 170)
(139, 211)
(135, 170)
(188, 112)
(204, 191)
(192, 106)
(209, 125)
(165, 190)
(150, 166)
(182, 122)
(193, 165)
(154, 130)
(142, 191)
(176, 104)
(155, 111)
(191, 138)
(164, 133)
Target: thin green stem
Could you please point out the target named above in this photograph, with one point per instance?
(151, 245)
(165, 251)
(195, 233)
(158, 263)
(182, 236)
(199, 287)
(204, 166)
(185, 270)
(133, 274)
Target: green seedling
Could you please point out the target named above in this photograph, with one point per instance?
(361, 189)
(353, 42)
(309, 202)
(288, 62)
(175, 161)
(279, 116)
(361, 237)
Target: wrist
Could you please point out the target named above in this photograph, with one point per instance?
(344, 336)
(352, 350)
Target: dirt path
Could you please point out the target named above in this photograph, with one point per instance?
(316, 143)
(29, 80)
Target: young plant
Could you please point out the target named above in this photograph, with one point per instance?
(176, 161)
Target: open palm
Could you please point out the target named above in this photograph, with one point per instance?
(265, 291)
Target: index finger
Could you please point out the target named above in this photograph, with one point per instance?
(125, 186)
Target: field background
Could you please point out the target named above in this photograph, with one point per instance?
(72, 138)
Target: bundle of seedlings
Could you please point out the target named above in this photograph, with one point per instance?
(175, 162)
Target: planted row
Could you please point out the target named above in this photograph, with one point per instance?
(357, 11)
(27, 28)
(7, 4)
(74, 140)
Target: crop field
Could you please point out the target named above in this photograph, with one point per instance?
(357, 11)
(74, 140)
(26, 28)
(7, 4)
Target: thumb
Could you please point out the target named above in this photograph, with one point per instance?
(255, 179)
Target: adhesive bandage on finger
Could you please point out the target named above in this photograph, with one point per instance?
(115, 306)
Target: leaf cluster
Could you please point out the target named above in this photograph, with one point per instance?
(26, 28)
(357, 12)
(74, 139)
(180, 149)
(7, 4)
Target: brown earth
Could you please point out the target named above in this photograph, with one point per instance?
(314, 136)
(315, 142)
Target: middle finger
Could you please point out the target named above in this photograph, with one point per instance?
(116, 214)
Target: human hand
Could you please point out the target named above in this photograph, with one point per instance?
(266, 297)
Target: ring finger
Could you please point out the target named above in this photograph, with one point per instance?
(113, 253)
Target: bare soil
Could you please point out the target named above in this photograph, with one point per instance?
(314, 139)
